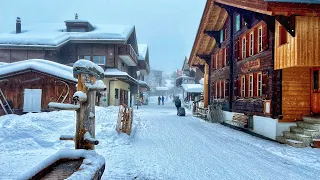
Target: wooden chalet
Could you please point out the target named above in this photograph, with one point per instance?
(30, 85)
(261, 60)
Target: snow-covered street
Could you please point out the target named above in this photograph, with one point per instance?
(162, 146)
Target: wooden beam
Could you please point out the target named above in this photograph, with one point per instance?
(215, 35)
(288, 23)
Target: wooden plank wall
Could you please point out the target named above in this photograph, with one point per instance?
(295, 93)
(302, 50)
(308, 40)
(285, 55)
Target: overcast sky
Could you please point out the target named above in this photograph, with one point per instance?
(168, 26)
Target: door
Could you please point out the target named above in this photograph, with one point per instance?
(315, 91)
(32, 100)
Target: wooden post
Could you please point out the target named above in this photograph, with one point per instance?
(205, 86)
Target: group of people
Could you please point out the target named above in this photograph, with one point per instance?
(161, 99)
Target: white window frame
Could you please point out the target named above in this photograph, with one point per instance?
(243, 86)
(259, 86)
(217, 60)
(216, 90)
(244, 50)
(225, 57)
(251, 51)
(100, 63)
(260, 39)
(251, 85)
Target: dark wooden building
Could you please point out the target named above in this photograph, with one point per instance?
(262, 60)
(30, 85)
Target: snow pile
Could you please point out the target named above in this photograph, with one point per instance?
(63, 106)
(92, 163)
(54, 34)
(193, 88)
(143, 49)
(43, 130)
(99, 85)
(82, 97)
(49, 67)
(83, 63)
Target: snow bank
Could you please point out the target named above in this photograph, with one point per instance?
(92, 163)
(49, 67)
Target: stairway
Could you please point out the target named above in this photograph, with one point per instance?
(303, 134)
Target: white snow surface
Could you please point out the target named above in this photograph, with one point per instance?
(161, 146)
(143, 49)
(81, 95)
(63, 106)
(193, 88)
(201, 81)
(55, 34)
(49, 67)
(2, 63)
(83, 63)
(99, 85)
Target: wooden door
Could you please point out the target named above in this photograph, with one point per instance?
(315, 91)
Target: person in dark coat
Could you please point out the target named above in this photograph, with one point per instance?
(177, 102)
(159, 99)
(162, 100)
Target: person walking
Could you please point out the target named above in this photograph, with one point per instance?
(162, 100)
(177, 102)
(159, 99)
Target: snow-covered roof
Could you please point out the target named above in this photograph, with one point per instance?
(201, 81)
(49, 67)
(162, 88)
(54, 34)
(143, 48)
(113, 72)
(142, 82)
(193, 88)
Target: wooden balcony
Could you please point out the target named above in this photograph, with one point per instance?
(303, 50)
(128, 55)
(144, 67)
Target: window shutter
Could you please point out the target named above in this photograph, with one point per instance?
(255, 79)
(264, 37)
(247, 44)
(220, 59)
(212, 62)
(256, 42)
(247, 85)
(265, 83)
(236, 49)
(227, 89)
(227, 56)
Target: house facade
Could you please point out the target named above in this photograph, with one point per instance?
(253, 64)
(113, 47)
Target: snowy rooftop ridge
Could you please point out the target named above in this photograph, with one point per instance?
(49, 67)
(143, 49)
(54, 34)
(193, 88)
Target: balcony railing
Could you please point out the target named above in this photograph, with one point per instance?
(128, 55)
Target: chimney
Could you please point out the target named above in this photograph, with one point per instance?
(76, 16)
(18, 25)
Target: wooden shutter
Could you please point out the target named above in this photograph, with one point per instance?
(236, 50)
(247, 44)
(227, 89)
(265, 83)
(256, 42)
(222, 89)
(227, 56)
(255, 83)
(212, 62)
(265, 42)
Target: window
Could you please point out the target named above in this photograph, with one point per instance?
(259, 87)
(84, 57)
(238, 22)
(221, 35)
(243, 47)
(282, 36)
(260, 39)
(217, 60)
(251, 43)
(243, 86)
(100, 60)
(251, 85)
